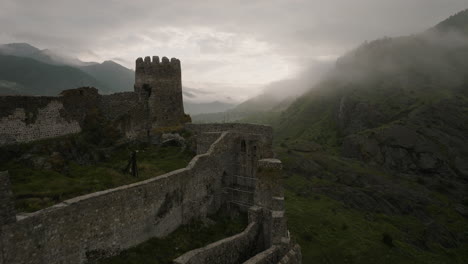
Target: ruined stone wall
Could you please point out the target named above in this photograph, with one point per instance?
(29, 118)
(271, 245)
(115, 105)
(156, 102)
(268, 256)
(231, 250)
(127, 113)
(294, 256)
(103, 223)
(160, 84)
(256, 143)
(206, 133)
(24, 119)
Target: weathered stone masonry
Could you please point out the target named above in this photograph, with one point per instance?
(7, 207)
(266, 239)
(160, 85)
(103, 223)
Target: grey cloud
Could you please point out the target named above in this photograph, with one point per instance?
(335, 22)
(297, 30)
(215, 45)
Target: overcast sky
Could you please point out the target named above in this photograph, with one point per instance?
(232, 48)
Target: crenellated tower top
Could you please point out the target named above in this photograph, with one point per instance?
(159, 83)
(148, 71)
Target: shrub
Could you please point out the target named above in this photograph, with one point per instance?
(387, 240)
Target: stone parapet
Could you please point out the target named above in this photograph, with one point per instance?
(231, 250)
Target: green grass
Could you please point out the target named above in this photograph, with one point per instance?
(329, 231)
(35, 189)
(184, 239)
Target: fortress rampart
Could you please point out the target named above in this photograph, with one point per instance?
(101, 224)
(234, 169)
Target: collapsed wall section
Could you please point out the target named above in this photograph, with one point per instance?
(25, 119)
(30, 118)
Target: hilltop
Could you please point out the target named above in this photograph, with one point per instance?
(457, 22)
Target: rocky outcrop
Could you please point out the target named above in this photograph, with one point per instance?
(430, 140)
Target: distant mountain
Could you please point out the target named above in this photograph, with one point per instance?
(457, 22)
(31, 77)
(19, 50)
(108, 77)
(113, 75)
(416, 84)
(47, 56)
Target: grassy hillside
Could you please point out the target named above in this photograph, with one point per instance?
(376, 156)
(457, 22)
(46, 172)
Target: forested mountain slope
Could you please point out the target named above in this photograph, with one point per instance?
(377, 154)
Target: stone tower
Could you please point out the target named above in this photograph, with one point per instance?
(159, 84)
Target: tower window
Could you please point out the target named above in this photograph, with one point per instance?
(243, 146)
(147, 89)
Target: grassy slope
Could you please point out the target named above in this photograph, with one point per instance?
(322, 186)
(331, 231)
(37, 188)
(335, 232)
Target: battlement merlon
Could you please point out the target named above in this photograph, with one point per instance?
(155, 61)
(154, 71)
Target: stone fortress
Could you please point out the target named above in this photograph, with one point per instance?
(156, 102)
(234, 169)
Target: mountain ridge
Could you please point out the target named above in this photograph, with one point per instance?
(377, 152)
(38, 78)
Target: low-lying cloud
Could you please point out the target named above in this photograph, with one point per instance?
(232, 47)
